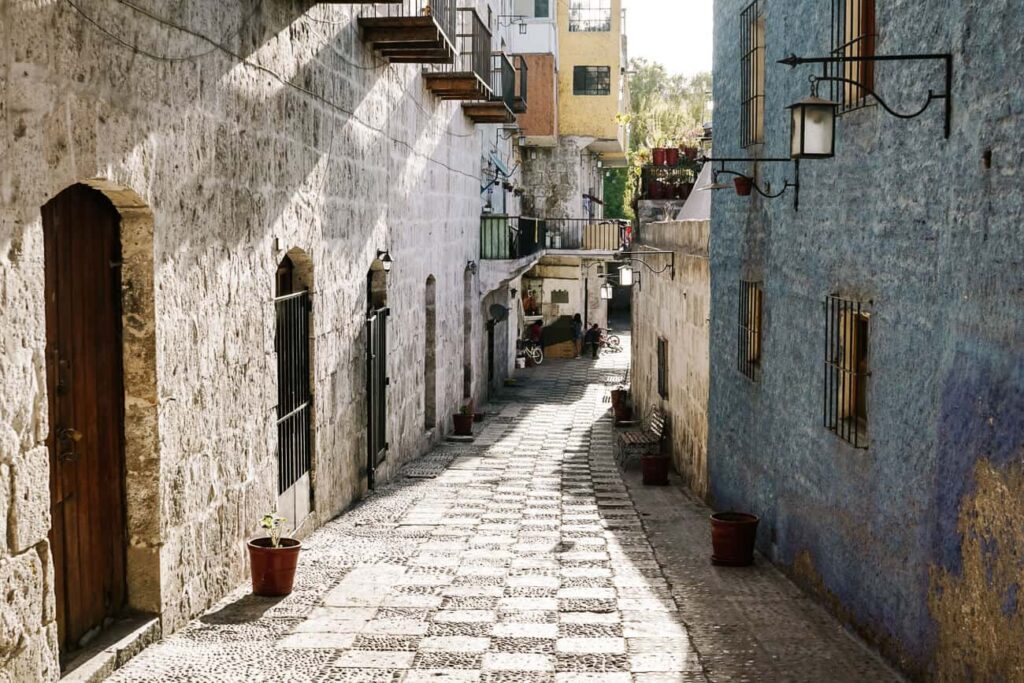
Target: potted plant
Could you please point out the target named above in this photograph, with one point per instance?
(743, 185)
(655, 469)
(672, 156)
(732, 538)
(619, 396)
(463, 421)
(623, 411)
(690, 152)
(273, 559)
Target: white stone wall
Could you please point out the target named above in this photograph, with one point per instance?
(279, 130)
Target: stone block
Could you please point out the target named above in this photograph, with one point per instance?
(29, 518)
(21, 601)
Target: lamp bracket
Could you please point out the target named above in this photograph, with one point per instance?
(795, 184)
(628, 257)
(793, 61)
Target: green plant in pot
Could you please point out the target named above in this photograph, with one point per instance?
(464, 420)
(273, 559)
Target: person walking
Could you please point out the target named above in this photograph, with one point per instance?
(577, 334)
(593, 337)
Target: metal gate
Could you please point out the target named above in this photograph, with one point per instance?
(376, 389)
(294, 398)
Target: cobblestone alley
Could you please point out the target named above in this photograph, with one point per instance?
(524, 556)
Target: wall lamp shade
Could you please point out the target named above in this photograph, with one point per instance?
(385, 260)
(626, 276)
(606, 292)
(813, 133)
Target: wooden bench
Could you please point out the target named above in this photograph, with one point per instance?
(646, 441)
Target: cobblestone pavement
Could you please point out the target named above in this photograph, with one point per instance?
(524, 556)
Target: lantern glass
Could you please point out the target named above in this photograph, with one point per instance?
(626, 276)
(606, 292)
(813, 129)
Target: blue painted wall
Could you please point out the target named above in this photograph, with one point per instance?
(917, 225)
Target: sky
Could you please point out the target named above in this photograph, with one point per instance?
(676, 33)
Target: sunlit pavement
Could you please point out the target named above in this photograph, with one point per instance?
(524, 556)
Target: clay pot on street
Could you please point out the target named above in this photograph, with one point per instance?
(463, 424)
(273, 569)
(655, 469)
(732, 538)
(619, 397)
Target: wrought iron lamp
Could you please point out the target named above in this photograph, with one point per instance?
(606, 291)
(813, 130)
(626, 276)
(384, 256)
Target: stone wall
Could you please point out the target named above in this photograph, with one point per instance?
(278, 132)
(676, 310)
(916, 540)
(556, 178)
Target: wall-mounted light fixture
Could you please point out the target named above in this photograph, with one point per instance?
(384, 256)
(471, 266)
(606, 291)
(813, 129)
(946, 95)
(626, 276)
(744, 182)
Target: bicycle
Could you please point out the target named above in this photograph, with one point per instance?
(611, 341)
(532, 350)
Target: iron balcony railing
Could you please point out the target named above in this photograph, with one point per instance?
(586, 234)
(473, 41)
(666, 182)
(522, 71)
(507, 238)
(503, 79)
(442, 11)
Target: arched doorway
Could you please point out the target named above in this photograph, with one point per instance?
(294, 345)
(467, 333)
(430, 355)
(377, 313)
(102, 393)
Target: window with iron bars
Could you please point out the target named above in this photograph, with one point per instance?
(592, 80)
(662, 367)
(590, 15)
(752, 70)
(847, 369)
(853, 36)
(749, 352)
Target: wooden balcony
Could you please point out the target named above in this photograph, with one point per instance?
(412, 31)
(498, 107)
(466, 78)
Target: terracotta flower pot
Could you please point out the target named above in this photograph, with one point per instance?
(623, 412)
(655, 468)
(619, 397)
(659, 154)
(656, 189)
(273, 569)
(743, 185)
(463, 424)
(672, 156)
(690, 152)
(732, 538)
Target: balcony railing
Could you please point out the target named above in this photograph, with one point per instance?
(507, 238)
(522, 72)
(411, 31)
(498, 108)
(514, 237)
(467, 77)
(666, 182)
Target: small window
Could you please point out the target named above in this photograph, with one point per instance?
(662, 367)
(847, 369)
(752, 69)
(853, 36)
(751, 300)
(590, 15)
(592, 80)
(541, 8)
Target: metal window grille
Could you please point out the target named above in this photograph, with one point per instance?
(590, 15)
(846, 370)
(662, 367)
(376, 389)
(853, 35)
(752, 74)
(592, 80)
(294, 398)
(750, 308)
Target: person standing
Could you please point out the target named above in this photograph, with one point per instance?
(577, 334)
(593, 337)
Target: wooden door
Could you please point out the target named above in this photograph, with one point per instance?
(86, 400)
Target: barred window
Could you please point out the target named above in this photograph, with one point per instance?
(853, 35)
(590, 15)
(751, 301)
(662, 367)
(752, 69)
(847, 369)
(592, 80)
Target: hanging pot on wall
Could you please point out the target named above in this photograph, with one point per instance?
(273, 569)
(732, 538)
(744, 185)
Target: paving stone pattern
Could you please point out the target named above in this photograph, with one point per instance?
(524, 556)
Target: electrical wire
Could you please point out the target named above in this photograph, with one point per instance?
(215, 46)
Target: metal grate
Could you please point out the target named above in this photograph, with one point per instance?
(590, 15)
(662, 367)
(749, 336)
(752, 74)
(846, 370)
(591, 80)
(376, 389)
(294, 398)
(853, 35)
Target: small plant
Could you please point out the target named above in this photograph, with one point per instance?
(466, 409)
(272, 523)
